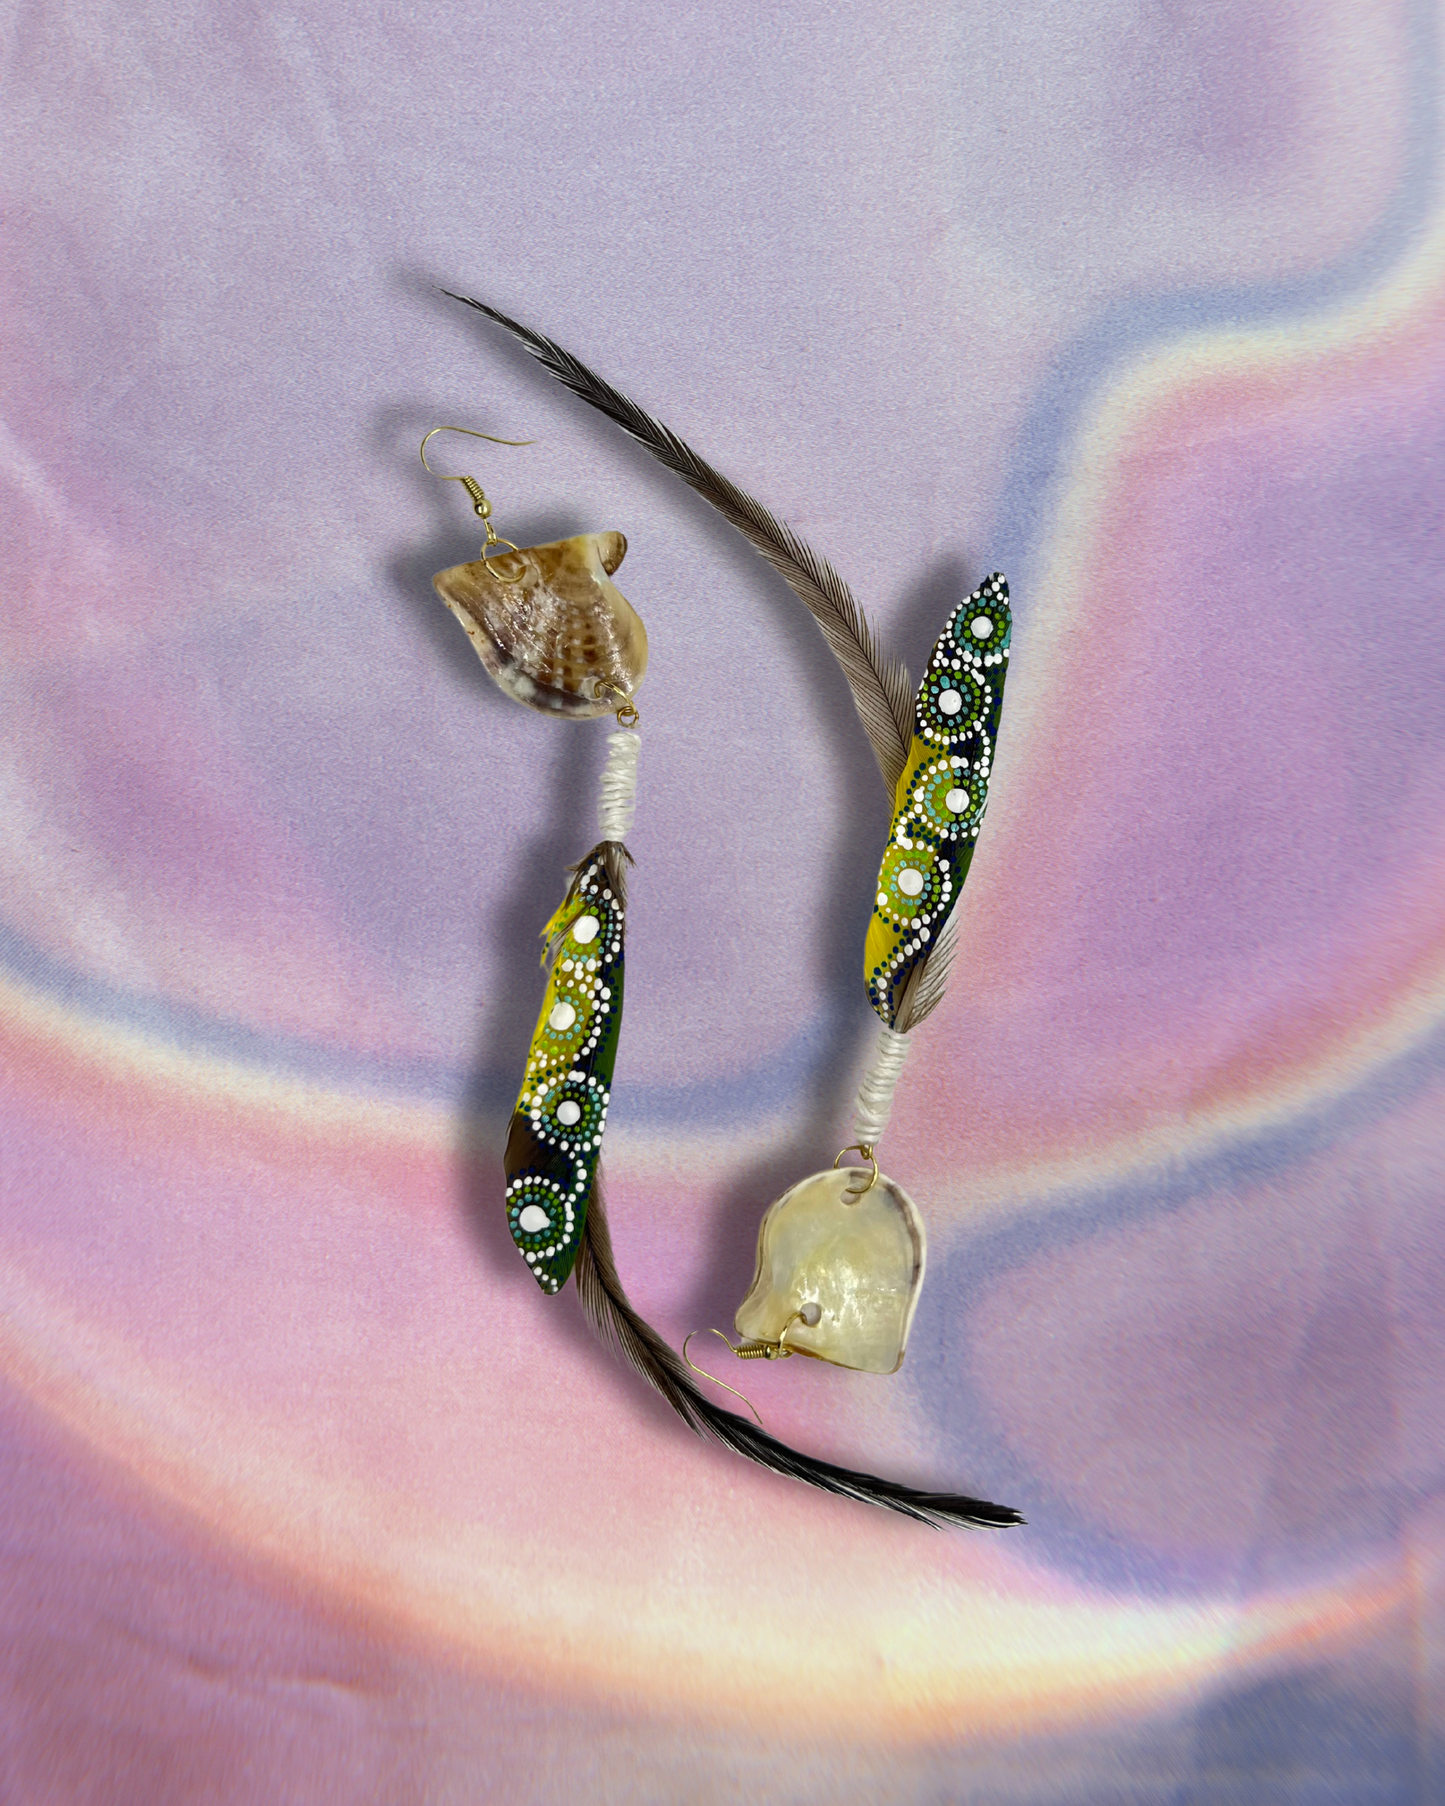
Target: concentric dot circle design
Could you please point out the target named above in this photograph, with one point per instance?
(977, 631)
(569, 1112)
(568, 1022)
(945, 800)
(550, 1218)
(596, 933)
(912, 936)
(982, 627)
(955, 720)
(966, 795)
(912, 885)
(951, 703)
(564, 1099)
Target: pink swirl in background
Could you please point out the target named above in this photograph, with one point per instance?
(309, 1496)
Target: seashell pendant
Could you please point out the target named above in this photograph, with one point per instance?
(840, 1266)
(550, 626)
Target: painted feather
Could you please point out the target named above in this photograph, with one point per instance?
(938, 808)
(555, 1138)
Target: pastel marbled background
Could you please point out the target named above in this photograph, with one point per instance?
(308, 1495)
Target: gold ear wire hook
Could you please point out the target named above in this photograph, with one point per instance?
(703, 1373)
(758, 1351)
(471, 434)
(481, 506)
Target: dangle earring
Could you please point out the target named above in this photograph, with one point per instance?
(840, 1261)
(840, 1256)
(555, 632)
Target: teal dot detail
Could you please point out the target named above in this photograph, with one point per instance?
(915, 883)
(989, 602)
(951, 703)
(586, 1099)
(956, 722)
(541, 1242)
(946, 799)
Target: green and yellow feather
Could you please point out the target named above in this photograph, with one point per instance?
(554, 1141)
(938, 805)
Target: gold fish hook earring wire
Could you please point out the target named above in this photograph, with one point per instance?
(752, 1350)
(481, 505)
(704, 1374)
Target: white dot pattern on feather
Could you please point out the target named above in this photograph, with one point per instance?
(942, 797)
(561, 1114)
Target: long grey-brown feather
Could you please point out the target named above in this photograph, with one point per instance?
(617, 1323)
(882, 689)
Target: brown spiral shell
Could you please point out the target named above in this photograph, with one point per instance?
(550, 626)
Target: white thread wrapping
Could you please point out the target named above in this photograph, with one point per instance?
(617, 794)
(875, 1094)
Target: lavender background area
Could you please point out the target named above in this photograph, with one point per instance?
(308, 1496)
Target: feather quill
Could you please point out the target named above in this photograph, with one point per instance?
(882, 689)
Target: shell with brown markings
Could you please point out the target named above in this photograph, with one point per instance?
(549, 624)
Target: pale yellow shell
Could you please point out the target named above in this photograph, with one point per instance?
(550, 626)
(839, 1269)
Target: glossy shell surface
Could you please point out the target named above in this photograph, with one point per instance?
(550, 625)
(848, 1259)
